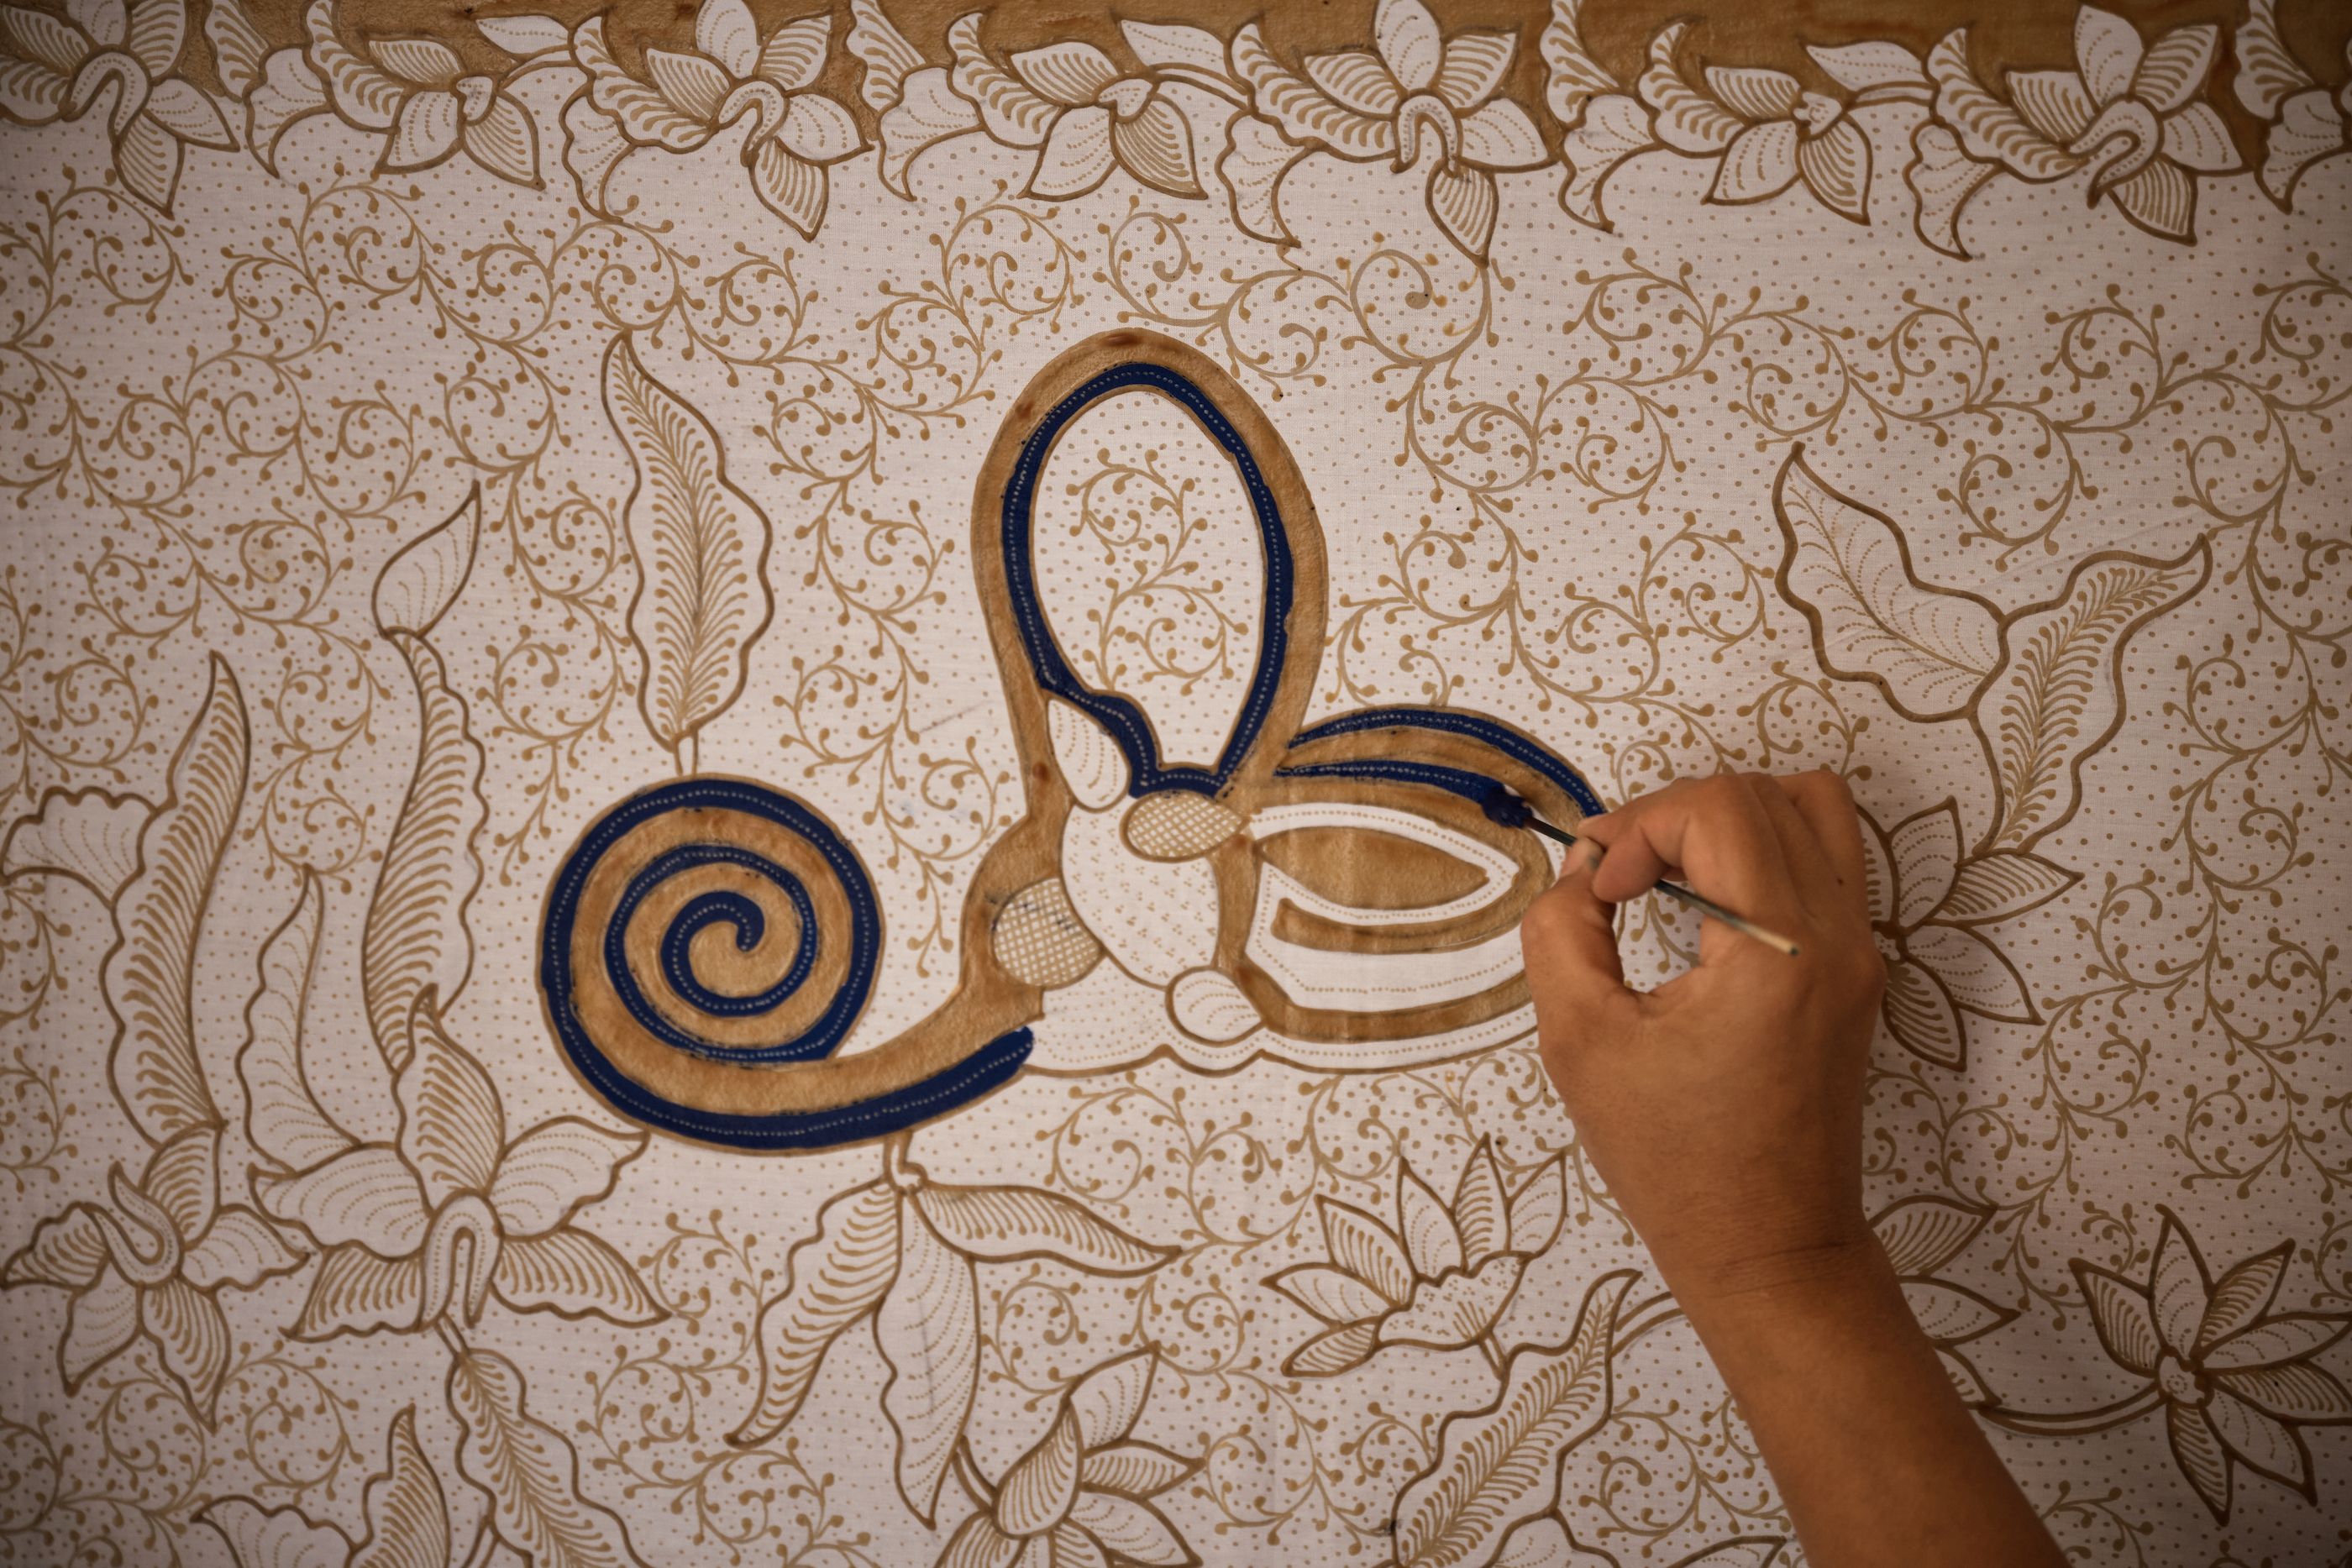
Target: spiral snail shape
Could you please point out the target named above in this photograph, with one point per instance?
(707, 947)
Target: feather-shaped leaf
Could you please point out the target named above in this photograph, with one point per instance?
(282, 1118)
(1499, 1467)
(1847, 568)
(151, 974)
(928, 1329)
(529, 1471)
(415, 940)
(701, 546)
(1001, 1223)
(2058, 697)
(836, 1278)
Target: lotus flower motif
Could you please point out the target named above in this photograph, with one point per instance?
(125, 59)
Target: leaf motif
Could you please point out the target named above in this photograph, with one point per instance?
(1848, 569)
(415, 940)
(370, 97)
(282, 1117)
(277, 1538)
(1500, 1467)
(1989, 129)
(1004, 1223)
(928, 1330)
(1573, 77)
(836, 1277)
(151, 973)
(407, 1513)
(529, 1471)
(2058, 697)
(238, 48)
(85, 835)
(701, 546)
(2001, 887)
(1920, 1235)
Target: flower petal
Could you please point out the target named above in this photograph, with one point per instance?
(2174, 67)
(426, 132)
(1948, 1313)
(724, 30)
(1431, 1240)
(571, 1273)
(2108, 50)
(1614, 128)
(1134, 1469)
(1076, 155)
(1967, 1381)
(355, 1292)
(65, 1250)
(157, 30)
(1925, 851)
(794, 55)
(1922, 1234)
(1836, 167)
(2262, 1443)
(421, 62)
(1068, 72)
(183, 1177)
(793, 188)
(181, 109)
(1407, 40)
(1037, 1491)
(1753, 94)
(1328, 1354)
(451, 1125)
(2241, 1295)
(1481, 1211)
(1156, 147)
(1457, 1309)
(1330, 1294)
(99, 1323)
(2295, 1391)
(2291, 1336)
(1357, 78)
(2055, 103)
(1499, 135)
(1303, 111)
(1464, 201)
(980, 1544)
(188, 1325)
(2125, 1322)
(1762, 162)
(693, 86)
(819, 129)
(554, 1169)
(1472, 66)
(41, 40)
(505, 141)
(1256, 158)
(1129, 1529)
(1013, 113)
(2198, 1452)
(1106, 1401)
(241, 1249)
(1979, 975)
(1537, 1209)
(1066, 1547)
(1920, 1017)
(2195, 139)
(367, 1196)
(2162, 199)
(2179, 1289)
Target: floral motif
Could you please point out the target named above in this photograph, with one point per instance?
(2236, 1381)
(151, 1265)
(731, 74)
(1082, 1495)
(1926, 902)
(1417, 97)
(1440, 1276)
(1070, 102)
(2129, 116)
(62, 70)
(418, 91)
(452, 1211)
(1769, 132)
(2304, 122)
(1920, 1235)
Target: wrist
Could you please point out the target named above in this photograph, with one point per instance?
(1826, 1279)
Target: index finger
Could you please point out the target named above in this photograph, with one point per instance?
(1716, 832)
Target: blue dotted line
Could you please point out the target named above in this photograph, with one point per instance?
(1491, 732)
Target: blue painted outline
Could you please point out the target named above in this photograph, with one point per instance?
(967, 1080)
(1448, 721)
(708, 909)
(1125, 723)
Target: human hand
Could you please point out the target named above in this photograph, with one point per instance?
(1724, 1109)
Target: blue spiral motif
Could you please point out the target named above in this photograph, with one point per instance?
(720, 908)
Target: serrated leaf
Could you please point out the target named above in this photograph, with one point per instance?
(701, 547)
(1001, 1223)
(2058, 697)
(1847, 567)
(1499, 1467)
(415, 938)
(151, 973)
(929, 1330)
(282, 1118)
(836, 1278)
(529, 1471)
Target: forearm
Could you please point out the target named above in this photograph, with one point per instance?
(1878, 1460)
